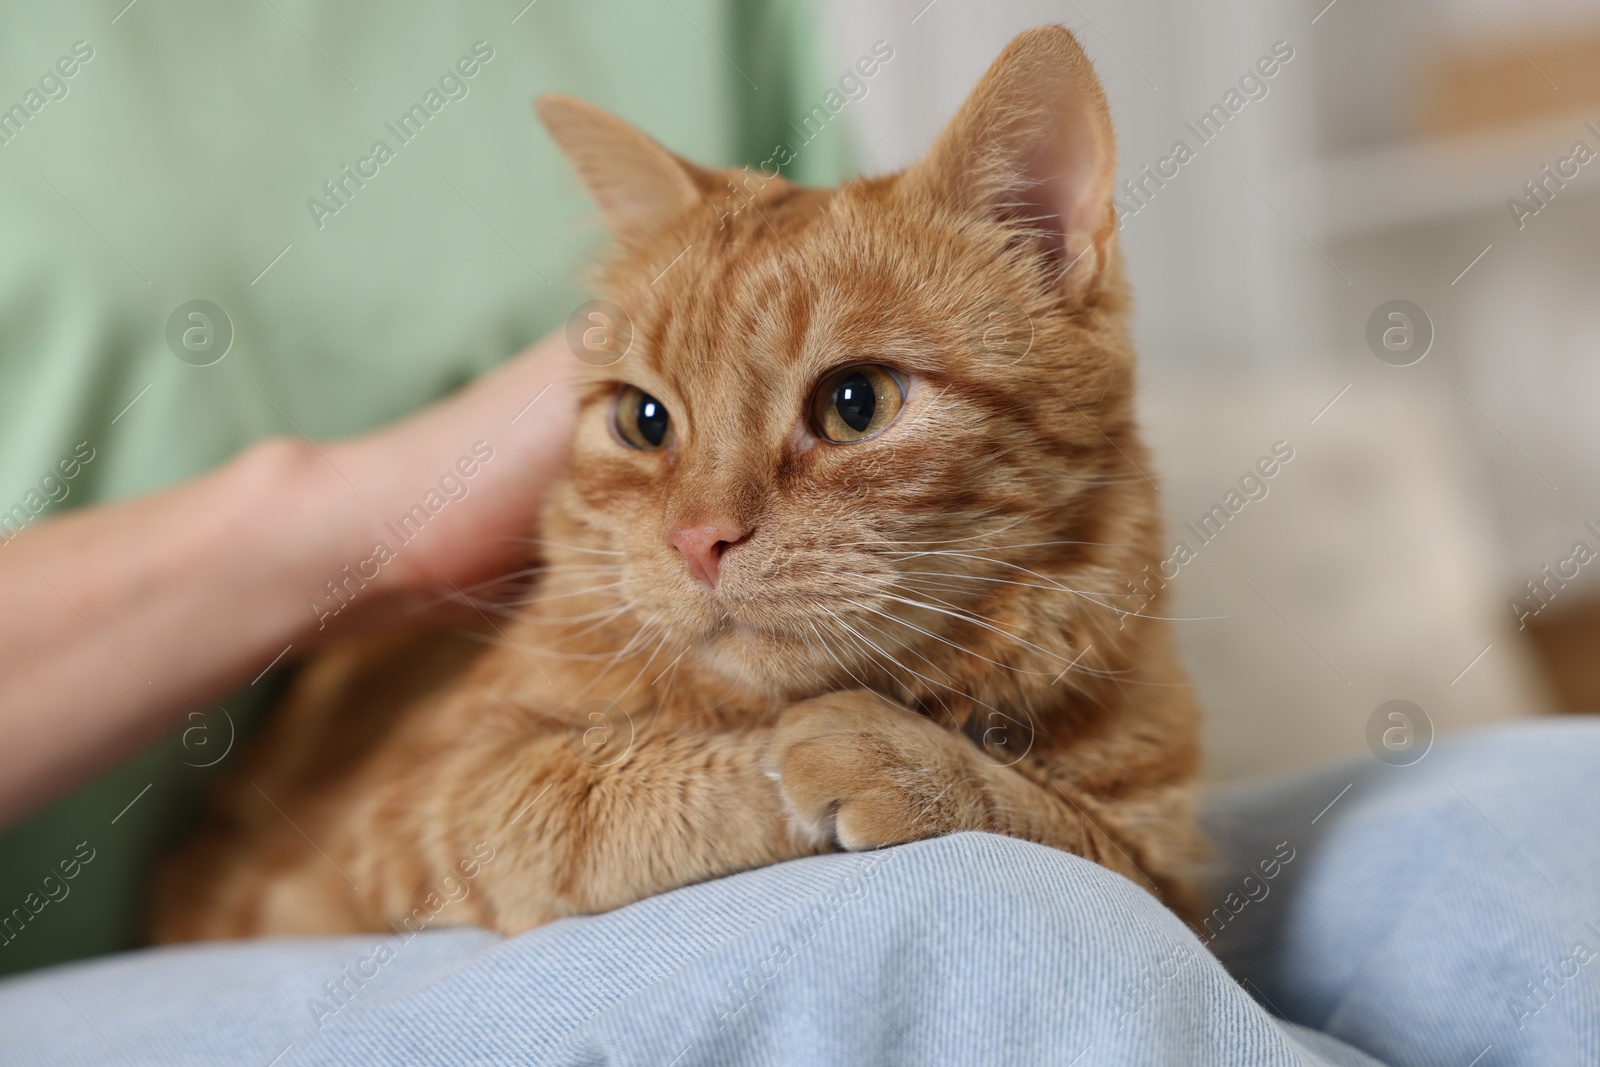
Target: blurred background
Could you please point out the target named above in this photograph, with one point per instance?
(1384, 161)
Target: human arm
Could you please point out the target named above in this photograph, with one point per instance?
(122, 618)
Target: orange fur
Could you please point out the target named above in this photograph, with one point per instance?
(924, 632)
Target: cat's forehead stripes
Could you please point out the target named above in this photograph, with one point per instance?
(725, 346)
(724, 331)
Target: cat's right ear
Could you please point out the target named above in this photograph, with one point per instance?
(1032, 148)
(639, 185)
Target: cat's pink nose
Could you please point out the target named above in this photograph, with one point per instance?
(702, 547)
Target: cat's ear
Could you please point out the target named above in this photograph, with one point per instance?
(638, 184)
(1033, 144)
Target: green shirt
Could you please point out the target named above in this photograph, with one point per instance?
(230, 153)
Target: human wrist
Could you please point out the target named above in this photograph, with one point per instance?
(371, 507)
(301, 518)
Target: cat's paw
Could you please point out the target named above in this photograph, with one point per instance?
(864, 771)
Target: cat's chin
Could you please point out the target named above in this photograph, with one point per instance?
(759, 657)
(737, 637)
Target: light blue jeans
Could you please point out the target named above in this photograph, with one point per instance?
(1446, 913)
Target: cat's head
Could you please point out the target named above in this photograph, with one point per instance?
(881, 432)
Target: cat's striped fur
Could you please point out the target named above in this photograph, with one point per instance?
(925, 632)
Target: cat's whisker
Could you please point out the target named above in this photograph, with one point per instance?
(670, 667)
(1087, 595)
(933, 694)
(599, 624)
(910, 577)
(1051, 582)
(1120, 612)
(900, 640)
(643, 629)
(603, 614)
(470, 597)
(499, 640)
(548, 595)
(1093, 480)
(1074, 665)
(1008, 548)
(571, 548)
(602, 618)
(502, 610)
(566, 576)
(646, 628)
(543, 569)
(890, 657)
(829, 649)
(863, 648)
(623, 607)
(505, 609)
(1058, 588)
(1024, 570)
(559, 570)
(947, 541)
(661, 643)
(932, 681)
(976, 621)
(946, 641)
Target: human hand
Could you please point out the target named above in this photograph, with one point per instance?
(445, 499)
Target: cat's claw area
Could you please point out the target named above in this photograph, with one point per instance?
(862, 771)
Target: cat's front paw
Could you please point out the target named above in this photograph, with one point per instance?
(864, 771)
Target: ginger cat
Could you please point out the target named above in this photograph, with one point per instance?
(843, 559)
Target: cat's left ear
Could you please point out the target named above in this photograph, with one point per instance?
(639, 185)
(1033, 145)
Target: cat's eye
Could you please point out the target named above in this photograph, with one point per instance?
(641, 420)
(855, 403)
